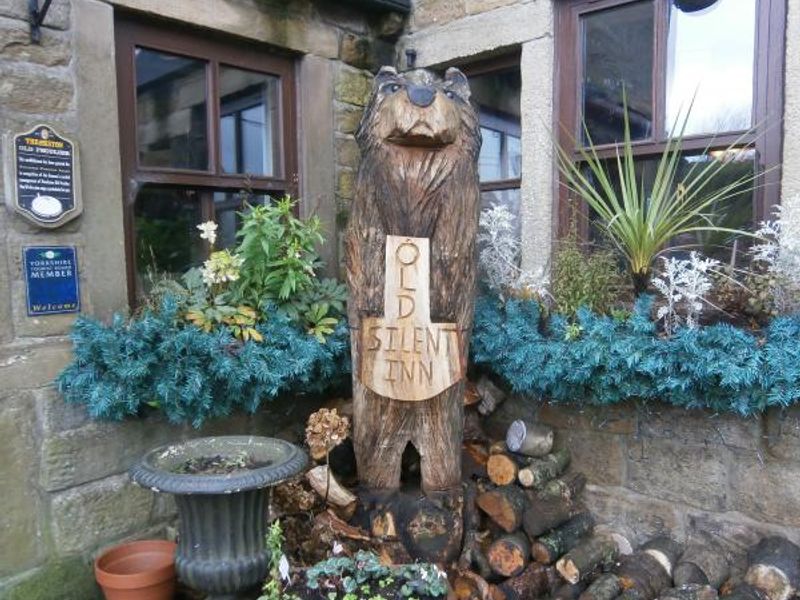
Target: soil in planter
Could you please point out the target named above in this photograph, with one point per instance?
(219, 464)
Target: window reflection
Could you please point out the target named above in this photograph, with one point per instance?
(170, 110)
(498, 98)
(617, 58)
(167, 239)
(227, 206)
(710, 59)
(248, 122)
(734, 212)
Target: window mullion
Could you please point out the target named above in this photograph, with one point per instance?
(214, 134)
(660, 52)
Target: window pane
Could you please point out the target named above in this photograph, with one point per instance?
(227, 205)
(617, 55)
(249, 109)
(490, 163)
(498, 98)
(167, 239)
(735, 212)
(171, 110)
(710, 59)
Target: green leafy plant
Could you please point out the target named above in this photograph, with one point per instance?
(278, 252)
(350, 575)
(273, 588)
(589, 279)
(642, 222)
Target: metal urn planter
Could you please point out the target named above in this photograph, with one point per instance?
(223, 517)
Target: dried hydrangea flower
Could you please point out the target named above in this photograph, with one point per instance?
(325, 430)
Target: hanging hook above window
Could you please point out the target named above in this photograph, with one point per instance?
(36, 17)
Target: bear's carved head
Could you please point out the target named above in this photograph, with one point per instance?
(416, 109)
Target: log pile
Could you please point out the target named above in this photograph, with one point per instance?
(529, 536)
(520, 530)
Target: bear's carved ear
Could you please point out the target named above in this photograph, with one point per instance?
(385, 74)
(457, 82)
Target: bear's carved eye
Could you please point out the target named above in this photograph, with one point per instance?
(391, 88)
(450, 94)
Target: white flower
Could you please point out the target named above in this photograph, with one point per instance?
(208, 231)
(337, 548)
(283, 568)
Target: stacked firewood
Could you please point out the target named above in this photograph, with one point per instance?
(527, 535)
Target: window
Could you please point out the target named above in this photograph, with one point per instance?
(201, 119)
(722, 57)
(495, 86)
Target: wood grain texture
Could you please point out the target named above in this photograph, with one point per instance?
(417, 179)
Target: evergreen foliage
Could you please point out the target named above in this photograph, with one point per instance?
(720, 367)
(189, 374)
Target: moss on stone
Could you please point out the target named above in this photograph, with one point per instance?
(65, 579)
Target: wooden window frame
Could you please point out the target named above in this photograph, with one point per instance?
(490, 66)
(767, 99)
(131, 31)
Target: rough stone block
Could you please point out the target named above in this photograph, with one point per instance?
(98, 450)
(345, 183)
(57, 17)
(733, 531)
(436, 12)
(356, 50)
(353, 86)
(20, 90)
(700, 427)
(36, 365)
(695, 475)
(617, 418)
(479, 6)
(84, 517)
(347, 152)
(782, 432)
(20, 537)
(645, 517)
(599, 456)
(66, 579)
(347, 117)
(765, 489)
(56, 415)
(15, 44)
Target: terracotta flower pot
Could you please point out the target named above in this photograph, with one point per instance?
(142, 570)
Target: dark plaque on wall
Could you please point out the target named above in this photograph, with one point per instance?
(44, 176)
(51, 280)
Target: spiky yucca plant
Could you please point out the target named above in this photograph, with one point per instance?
(641, 224)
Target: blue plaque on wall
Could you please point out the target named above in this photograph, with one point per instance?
(51, 280)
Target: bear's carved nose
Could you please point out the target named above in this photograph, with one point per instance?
(421, 95)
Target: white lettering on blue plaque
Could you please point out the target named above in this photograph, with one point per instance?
(51, 280)
(42, 173)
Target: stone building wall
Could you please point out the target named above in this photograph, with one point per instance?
(63, 483)
(656, 467)
(660, 469)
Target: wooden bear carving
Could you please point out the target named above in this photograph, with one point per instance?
(410, 254)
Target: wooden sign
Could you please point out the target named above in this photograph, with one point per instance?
(42, 176)
(405, 355)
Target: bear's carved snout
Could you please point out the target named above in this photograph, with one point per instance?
(421, 95)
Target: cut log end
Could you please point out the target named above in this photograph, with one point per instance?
(530, 439)
(502, 469)
(508, 555)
